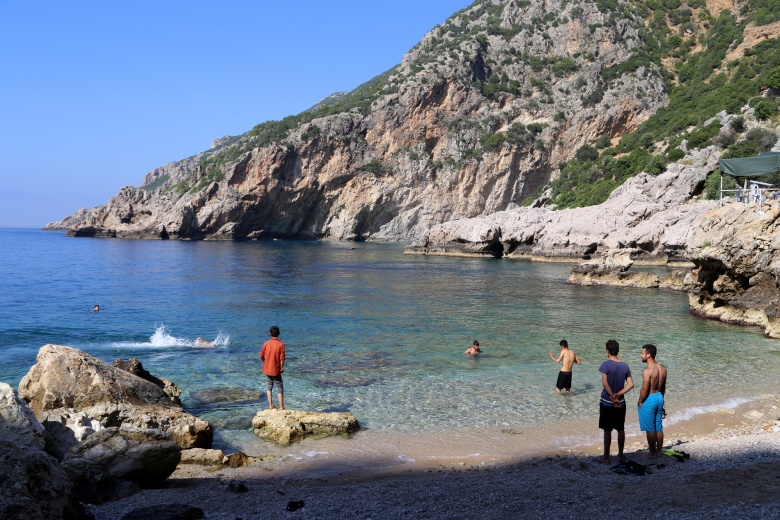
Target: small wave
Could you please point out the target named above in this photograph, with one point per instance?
(301, 455)
(690, 413)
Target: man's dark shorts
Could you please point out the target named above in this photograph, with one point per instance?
(564, 381)
(277, 380)
(611, 418)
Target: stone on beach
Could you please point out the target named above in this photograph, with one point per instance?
(203, 457)
(288, 426)
(67, 378)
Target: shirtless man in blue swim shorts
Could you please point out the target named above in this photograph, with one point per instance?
(651, 401)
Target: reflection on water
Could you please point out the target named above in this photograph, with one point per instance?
(368, 330)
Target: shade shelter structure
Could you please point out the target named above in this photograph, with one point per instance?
(756, 166)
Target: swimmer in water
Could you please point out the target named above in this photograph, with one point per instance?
(96, 308)
(474, 350)
(203, 343)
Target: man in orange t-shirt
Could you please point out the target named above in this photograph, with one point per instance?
(272, 356)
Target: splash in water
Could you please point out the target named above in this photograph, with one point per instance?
(162, 337)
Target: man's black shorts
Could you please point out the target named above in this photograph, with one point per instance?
(564, 381)
(270, 380)
(611, 418)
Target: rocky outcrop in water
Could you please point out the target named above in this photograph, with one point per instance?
(288, 426)
(475, 119)
(736, 251)
(613, 269)
(69, 380)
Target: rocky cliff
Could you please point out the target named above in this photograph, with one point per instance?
(475, 120)
(652, 215)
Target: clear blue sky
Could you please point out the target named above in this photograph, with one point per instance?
(93, 95)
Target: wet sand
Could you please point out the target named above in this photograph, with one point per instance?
(734, 471)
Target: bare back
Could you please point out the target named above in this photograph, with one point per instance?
(655, 377)
(568, 358)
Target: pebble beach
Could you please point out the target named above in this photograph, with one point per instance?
(733, 472)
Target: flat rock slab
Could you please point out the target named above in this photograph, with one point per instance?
(288, 426)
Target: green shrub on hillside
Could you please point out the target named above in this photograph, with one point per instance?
(159, 181)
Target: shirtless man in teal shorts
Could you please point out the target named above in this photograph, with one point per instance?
(651, 401)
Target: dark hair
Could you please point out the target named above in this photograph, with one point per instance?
(274, 331)
(564, 343)
(476, 343)
(613, 347)
(650, 349)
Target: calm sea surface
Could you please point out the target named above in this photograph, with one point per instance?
(368, 330)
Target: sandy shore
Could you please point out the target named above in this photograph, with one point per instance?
(733, 472)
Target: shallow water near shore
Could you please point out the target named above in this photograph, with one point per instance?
(370, 331)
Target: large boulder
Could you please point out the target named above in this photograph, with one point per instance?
(32, 484)
(288, 426)
(18, 425)
(107, 460)
(67, 378)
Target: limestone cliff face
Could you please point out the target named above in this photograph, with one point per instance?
(473, 121)
(654, 216)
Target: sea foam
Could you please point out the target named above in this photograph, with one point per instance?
(690, 413)
(162, 338)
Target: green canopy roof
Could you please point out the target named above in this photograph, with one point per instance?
(755, 166)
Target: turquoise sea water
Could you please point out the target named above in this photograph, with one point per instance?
(368, 330)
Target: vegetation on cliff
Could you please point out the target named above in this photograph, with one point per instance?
(701, 83)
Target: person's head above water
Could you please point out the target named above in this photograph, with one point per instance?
(613, 347)
(563, 343)
(96, 308)
(274, 330)
(475, 343)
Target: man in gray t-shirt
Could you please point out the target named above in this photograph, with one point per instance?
(617, 382)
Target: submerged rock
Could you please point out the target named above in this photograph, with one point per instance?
(288, 426)
(66, 378)
(225, 395)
